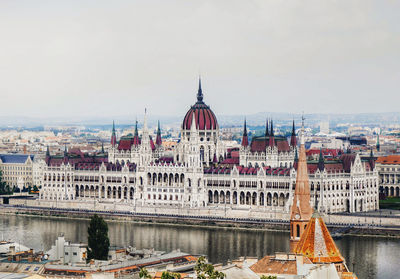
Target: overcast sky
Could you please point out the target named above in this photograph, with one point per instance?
(113, 58)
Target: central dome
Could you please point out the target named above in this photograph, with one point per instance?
(204, 117)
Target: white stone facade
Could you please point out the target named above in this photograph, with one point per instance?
(193, 179)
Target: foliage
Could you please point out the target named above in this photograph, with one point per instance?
(98, 241)
(170, 275)
(4, 187)
(205, 270)
(268, 277)
(144, 274)
(390, 203)
(35, 188)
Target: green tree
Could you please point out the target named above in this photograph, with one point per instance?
(98, 241)
(35, 188)
(170, 275)
(268, 277)
(144, 274)
(205, 270)
(4, 188)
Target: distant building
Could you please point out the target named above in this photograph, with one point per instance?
(389, 175)
(324, 127)
(17, 170)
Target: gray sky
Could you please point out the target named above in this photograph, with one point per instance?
(113, 58)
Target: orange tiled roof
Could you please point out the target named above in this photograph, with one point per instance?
(317, 244)
(271, 265)
(348, 275)
(389, 160)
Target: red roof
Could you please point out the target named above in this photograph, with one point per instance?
(260, 144)
(389, 160)
(204, 117)
(125, 144)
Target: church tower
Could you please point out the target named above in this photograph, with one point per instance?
(301, 210)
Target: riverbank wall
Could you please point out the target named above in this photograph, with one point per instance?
(215, 217)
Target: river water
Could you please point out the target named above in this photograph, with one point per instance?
(369, 257)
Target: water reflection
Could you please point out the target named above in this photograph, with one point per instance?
(368, 257)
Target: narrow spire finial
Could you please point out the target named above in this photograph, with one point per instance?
(200, 92)
(272, 128)
(302, 140)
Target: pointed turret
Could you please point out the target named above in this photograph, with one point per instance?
(317, 244)
(245, 139)
(158, 138)
(136, 140)
(321, 164)
(193, 129)
(47, 151)
(271, 142)
(102, 148)
(301, 210)
(113, 136)
(378, 145)
(215, 160)
(200, 92)
(293, 140)
(371, 160)
(266, 128)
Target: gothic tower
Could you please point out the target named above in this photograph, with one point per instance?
(301, 210)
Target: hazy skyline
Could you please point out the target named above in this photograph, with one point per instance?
(113, 58)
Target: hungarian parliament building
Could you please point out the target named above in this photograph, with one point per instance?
(201, 172)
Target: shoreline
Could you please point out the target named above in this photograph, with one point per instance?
(391, 233)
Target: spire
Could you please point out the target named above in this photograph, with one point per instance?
(113, 135)
(102, 147)
(271, 136)
(293, 140)
(65, 151)
(245, 140)
(302, 140)
(266, 128)
(215, 161)
(47, 151)
(317, 244)
(158, 138)
(321, 164)
(378, 145)
(200, 92)
(193, 127)
(136, 135)
(301, 210)
(272, 128)
(371, 160)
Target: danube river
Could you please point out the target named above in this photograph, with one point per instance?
(369, 257)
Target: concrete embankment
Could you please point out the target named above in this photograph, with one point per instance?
(246, 224)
